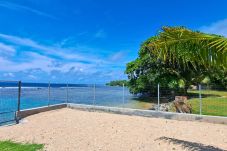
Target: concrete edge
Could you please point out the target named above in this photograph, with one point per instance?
(151, 113)
(125, 111)
(24, 113)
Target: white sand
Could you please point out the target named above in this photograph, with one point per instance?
(73, 130)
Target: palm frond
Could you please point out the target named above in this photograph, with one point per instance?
(188, 47)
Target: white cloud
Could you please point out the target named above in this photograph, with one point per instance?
(35, 61)
(6, 49)
(100, 34)
(48, 50)
(43, 69)
(14, 6)
(53, 77)
(117, 56)
(32, 77)
(9, 75)
(219, 27)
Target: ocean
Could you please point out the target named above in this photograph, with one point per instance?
(38, 94)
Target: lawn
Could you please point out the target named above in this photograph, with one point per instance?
(12, 146)
(213, 102)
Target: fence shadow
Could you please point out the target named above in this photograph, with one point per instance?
(192, 146)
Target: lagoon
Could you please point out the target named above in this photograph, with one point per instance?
(37, 95)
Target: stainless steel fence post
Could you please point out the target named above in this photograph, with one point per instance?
(158, 97)
(67, 93)
(19, 99)
(200, 101)
(123, 99)
(94, 95)
(49, 94)
(19, 95)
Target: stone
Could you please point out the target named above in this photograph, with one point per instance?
(162, 107)
(181, 104)
(181, 99)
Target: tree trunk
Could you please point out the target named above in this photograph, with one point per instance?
(187, 85)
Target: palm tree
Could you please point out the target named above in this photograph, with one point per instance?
(190, 48)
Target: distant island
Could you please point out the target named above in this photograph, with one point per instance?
(117, 83)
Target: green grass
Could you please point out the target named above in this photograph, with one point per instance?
(12, 146)
(210, 93)
(213, 102)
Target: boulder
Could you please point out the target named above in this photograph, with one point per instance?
(181, 99)
(162, 107)
(181, 104)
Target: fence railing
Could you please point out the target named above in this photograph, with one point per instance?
(201, 99)
(9, 101)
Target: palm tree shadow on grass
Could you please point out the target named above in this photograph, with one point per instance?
(192, 146)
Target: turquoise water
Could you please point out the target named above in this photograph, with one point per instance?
(42, 96)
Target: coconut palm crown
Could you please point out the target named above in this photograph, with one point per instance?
(188, 48)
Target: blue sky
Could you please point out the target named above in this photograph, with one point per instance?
(90, 41)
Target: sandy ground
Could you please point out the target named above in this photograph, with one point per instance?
(73, 130)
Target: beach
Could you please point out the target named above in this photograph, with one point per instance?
(70, 130)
